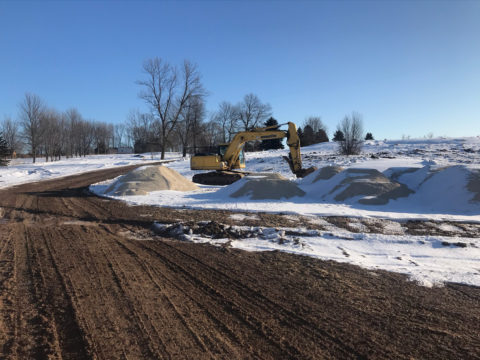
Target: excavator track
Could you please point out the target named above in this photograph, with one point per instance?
(219, 177)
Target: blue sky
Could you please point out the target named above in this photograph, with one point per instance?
(410, 67)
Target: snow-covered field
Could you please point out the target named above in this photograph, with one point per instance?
(446, 198)
(21, 171)
(441, 195)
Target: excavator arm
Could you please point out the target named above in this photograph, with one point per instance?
(239, 140)
(293, 141)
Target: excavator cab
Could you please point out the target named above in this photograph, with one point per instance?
(212, 161)
(240, 163)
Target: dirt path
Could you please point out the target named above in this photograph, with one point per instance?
(81, 278)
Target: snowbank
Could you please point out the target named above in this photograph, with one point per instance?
(367, 186)
(451, 189)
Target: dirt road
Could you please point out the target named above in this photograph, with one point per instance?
(84, 278)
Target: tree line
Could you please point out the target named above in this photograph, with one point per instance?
(43, 131)
(176, 120)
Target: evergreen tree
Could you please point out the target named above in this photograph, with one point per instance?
(369, 136)
(4, 151)
(272, 143)
(338, 136)
(300, 135)
(308, 136)
(321, 136)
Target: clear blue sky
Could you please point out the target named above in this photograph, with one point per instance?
(408, 67)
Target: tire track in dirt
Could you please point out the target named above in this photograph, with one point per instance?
(274, 313)
(33, 334)
(205, 336)
(7, 310)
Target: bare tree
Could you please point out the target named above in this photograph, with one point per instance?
(86, 136)
(5, 151)
(316, 123)
(211, 134)
(119, 130)
(102, 134)
(11, 134)
(197, 121)
(30, 111)
(188, 124)
(314, 131)
(352, 129)
(167, 90)
(51, 129)
(140, 130)
(227, 117)
(251, 112)
(74, 120)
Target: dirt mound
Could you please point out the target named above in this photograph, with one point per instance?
(324, 173)
(327, 172)
(375, 187)
(146, 179)
(265, 186)
(365, 186)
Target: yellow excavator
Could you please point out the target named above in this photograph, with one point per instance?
(231, 156)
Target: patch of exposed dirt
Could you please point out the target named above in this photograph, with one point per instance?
(83, 278)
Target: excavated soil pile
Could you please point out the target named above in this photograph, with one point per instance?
(147, 179)
(265, 186)
(367, 186)
(376, 188)
(431, 188)
(327, 172)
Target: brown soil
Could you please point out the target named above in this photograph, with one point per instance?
(84, 278)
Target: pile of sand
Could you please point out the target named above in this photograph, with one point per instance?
(146, 179)
(264, 186)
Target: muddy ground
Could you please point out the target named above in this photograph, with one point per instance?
(83, 277)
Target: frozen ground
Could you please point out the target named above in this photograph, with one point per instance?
(429, 259)
(441, 195)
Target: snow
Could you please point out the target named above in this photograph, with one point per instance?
(436, 169)
(23, 171)
(446, 199)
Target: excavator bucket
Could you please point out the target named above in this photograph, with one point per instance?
(304, 172)
(301, 173)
